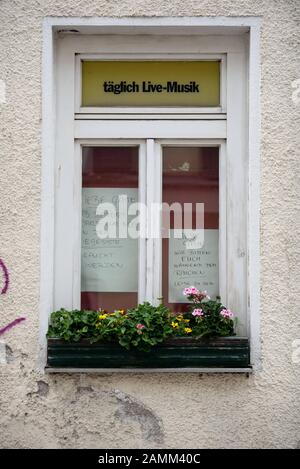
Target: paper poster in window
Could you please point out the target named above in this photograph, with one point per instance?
(193, 267)
(107, 265)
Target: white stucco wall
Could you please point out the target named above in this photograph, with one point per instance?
(153, 410)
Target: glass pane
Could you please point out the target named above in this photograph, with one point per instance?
(109, 263)
(151, 83)
(190, 176)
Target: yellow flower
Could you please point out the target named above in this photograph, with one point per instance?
(103, 316)
(188, 330)
(119, 311)
(179, 318)
(174, 324)
(186, 320)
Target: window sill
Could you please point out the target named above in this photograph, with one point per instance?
(228, 354)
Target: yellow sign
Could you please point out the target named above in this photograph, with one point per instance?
(141, 83)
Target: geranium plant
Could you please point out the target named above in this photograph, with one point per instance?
(140, 327)
(209, 317)
(146, 325)
(73, 326)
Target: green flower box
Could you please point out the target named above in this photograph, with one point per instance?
(181, 352)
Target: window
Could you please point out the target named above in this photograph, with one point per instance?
(179, 154)
(154, 151)
(109, 266)
(114, 269)
(190, 177)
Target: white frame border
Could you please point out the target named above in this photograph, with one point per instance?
(239, 24)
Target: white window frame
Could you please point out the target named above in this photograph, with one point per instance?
(61, 129)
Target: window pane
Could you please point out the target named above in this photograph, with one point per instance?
(190, 175)
(109, 266)
(151, 83)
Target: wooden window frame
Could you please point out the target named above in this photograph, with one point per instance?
(58, 289)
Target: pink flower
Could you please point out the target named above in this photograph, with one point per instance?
(226, 313)
(190, 291)
(195, 295)
(197, 312)
(140, 326)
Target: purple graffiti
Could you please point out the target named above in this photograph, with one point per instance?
(5, 276)
(10, 325)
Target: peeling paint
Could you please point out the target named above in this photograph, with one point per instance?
(9, 354)
(131, 409)
(42, 389)
(81, 390)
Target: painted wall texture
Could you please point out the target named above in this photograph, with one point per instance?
(154, 410)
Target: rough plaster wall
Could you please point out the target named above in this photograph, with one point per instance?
(168, 410)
